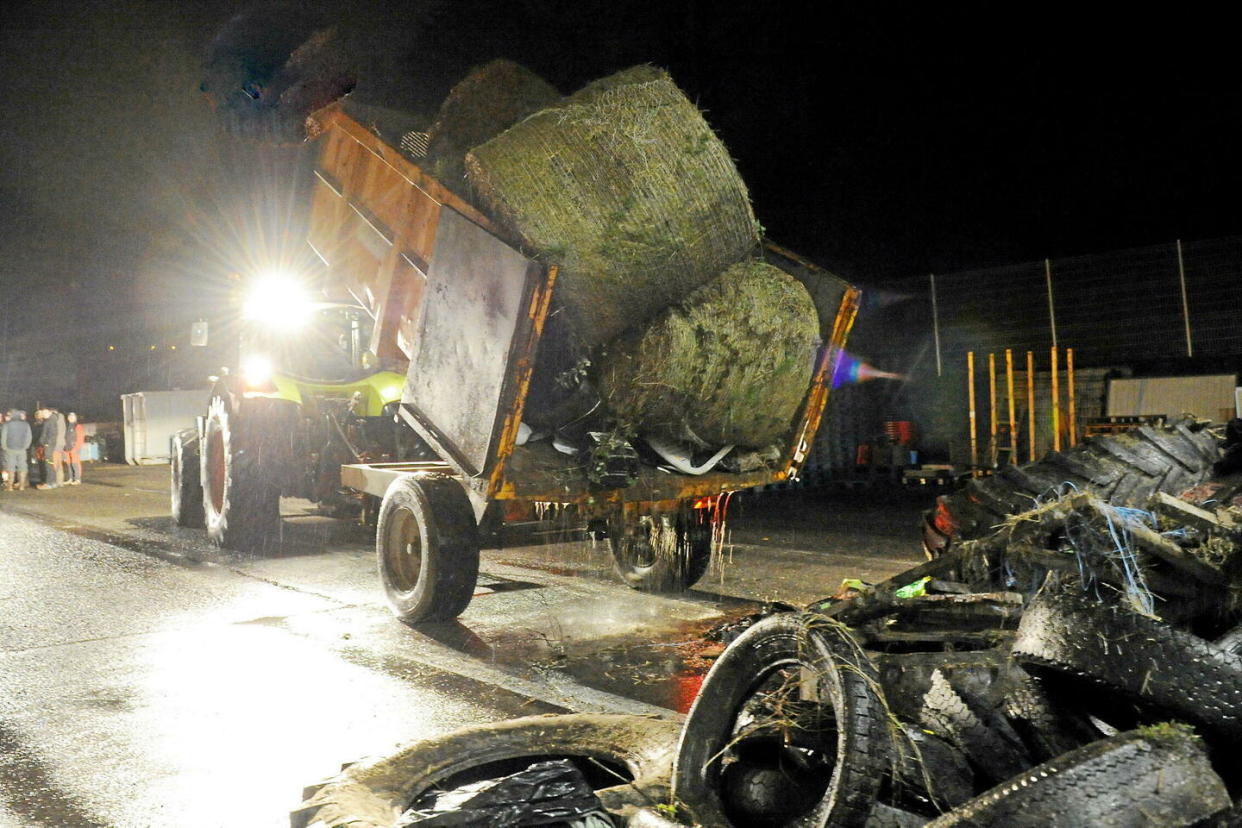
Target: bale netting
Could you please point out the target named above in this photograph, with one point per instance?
(489, 100)
(628, 190)
(731, 364)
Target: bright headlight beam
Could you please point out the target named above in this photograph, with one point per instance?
(257, 370)
(278, 300)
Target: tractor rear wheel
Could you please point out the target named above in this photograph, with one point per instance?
(241, 498)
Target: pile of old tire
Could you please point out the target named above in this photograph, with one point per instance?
(1124, 469)
(1093, 715)
(1089, 714)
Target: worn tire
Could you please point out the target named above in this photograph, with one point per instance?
(427, 547)
(929, 773)
(1231, 642)
(1047, 728)
(373, 793)
(906, 677)
(1138, 657)
(1124, 469)
(241, 495)
(662, 553)
(1138, 778)
(186, 489)
(886, 816)
(995, 754)
(845, 681)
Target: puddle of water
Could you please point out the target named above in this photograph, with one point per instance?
(666, 672)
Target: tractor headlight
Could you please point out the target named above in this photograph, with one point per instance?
(278, 300)
(257, 371)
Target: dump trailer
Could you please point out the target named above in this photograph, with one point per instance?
(456, 311)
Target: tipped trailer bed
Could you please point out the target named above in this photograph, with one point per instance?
(467, 308)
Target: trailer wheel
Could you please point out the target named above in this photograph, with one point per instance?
(662, 552)
(187, 484)
(427, 543)
(241, 503)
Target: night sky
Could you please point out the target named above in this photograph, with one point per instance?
(883, 140)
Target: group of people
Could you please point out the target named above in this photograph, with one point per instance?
(54, 441)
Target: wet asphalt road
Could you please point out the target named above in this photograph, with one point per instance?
(147, 679)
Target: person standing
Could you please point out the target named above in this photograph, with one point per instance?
(5, 479)
(15, 442)
(52, 441)
(75, 438)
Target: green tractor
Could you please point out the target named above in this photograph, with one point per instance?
(308, 398)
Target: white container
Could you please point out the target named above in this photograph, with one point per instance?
(151, 418)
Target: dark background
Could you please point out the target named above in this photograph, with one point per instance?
(883, 140)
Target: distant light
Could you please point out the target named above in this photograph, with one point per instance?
(111, 347)
(152, 347)
(172, 347)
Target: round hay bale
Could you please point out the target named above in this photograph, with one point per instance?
(628, 190)
(489, 100)
(731, 364)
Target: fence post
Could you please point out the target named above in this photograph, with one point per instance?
(1181, 275)
(935, 322)
(993, 448)
(1030, 401)
(1056, 402)
(974, 434)
(1013, 415)
(1052, 314)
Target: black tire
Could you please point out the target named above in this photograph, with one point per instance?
(370, 794)
(186, 489)
(847, 729)
(427, 546)
(994, 754)
(241, 496)
(662, 552)
(906, 677)
(1150, 777)
(1231, 642)
(886, 816)
(928, 773)
(1141, 658)
(1124, 469)
(1047, 728)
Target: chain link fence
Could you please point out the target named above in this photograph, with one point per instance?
(1178, 300)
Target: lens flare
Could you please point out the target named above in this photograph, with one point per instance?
(851, 370)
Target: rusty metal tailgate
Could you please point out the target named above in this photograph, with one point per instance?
(479, 326)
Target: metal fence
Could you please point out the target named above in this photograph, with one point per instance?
(1178, 300)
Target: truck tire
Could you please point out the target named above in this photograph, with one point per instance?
(187, 483)
(1150, 777)
(995, 754)
(1231, 642)
(662, 552)
(427, 546)
(241, 501)
(371, 793)
(1125, 469)
(928, 773)
(844, 737)
(1139, 658)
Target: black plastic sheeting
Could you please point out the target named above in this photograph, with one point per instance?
(546, 793)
